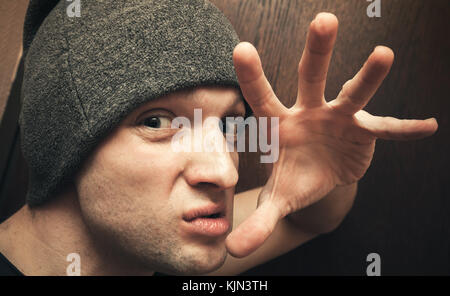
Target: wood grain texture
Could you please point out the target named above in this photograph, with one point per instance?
(12, 14)
(12, 168)
(402, 210)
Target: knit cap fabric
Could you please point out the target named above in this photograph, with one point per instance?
(83, 75)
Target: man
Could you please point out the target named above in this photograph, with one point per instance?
(100, 93)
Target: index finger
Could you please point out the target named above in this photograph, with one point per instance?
(254, 85)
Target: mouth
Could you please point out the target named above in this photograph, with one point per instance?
(209, 220)
(211, 211)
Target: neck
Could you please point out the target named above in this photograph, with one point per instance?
(38, 241)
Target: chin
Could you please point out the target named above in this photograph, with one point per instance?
(210, 266)
(202, 268)
(198, 260)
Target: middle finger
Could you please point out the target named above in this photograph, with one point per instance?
(313, 66)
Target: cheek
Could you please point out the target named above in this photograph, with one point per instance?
(127, 180)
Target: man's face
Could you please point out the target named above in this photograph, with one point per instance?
(136, 192)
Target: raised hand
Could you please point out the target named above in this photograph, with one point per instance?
(322, 145)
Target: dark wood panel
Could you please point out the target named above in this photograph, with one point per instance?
(12, 14)
(13, 170)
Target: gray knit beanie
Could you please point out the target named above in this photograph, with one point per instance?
(83, 75)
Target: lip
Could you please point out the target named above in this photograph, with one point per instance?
(195, 220)
(205, 210)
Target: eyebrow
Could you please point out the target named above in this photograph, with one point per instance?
(247, 109)
(240, 99)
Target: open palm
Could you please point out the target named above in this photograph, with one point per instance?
(322, 145)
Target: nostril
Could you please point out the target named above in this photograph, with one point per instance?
(208, 185)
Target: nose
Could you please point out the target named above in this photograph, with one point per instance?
(216, 169)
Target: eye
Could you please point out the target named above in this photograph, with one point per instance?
(230, 129)
(157, 122)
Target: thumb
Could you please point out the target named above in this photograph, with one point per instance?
(252, 233)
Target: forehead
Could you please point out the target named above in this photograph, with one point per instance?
(214, 97)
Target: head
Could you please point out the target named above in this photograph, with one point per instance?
(89, 82)
(134, 191)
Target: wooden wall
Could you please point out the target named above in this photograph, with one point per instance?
(13, 175)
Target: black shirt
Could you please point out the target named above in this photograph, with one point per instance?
(7, 268)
